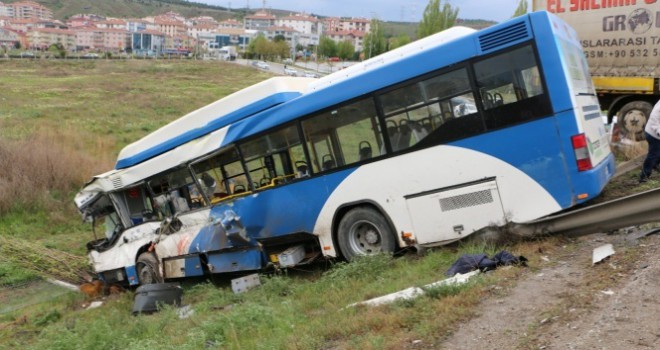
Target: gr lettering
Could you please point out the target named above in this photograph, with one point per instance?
(614, 23)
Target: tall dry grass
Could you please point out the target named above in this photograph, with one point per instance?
(43, 169)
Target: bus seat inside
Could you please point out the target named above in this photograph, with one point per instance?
(365, 151)
(328, 162)
(302, 169)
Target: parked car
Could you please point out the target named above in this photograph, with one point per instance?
(290, 71)
(27, 54)
(311, 75)
(334, 59)
(287, 61)
(91, 55)
(263, 65)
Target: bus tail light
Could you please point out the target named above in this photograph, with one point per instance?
(581, 152)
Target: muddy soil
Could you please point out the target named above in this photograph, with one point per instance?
(569, 303)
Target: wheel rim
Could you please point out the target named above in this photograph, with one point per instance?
(146, 275)
(365, 238)
(634, 121)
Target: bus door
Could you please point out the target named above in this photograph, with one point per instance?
(451, 213)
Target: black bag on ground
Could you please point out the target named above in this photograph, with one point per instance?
(471, 262)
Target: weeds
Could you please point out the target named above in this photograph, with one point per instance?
(362, 268)
(43, 261)
(39, 172)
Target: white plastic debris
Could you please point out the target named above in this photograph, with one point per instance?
(185, 312)
(245, 283)
(63, 284)
(607, 292)
(602, 252)
(94, 305)
(414, 292)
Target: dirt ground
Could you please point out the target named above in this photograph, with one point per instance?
(569, 303)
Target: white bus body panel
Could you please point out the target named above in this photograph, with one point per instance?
(456, 212)
(124, 252)
(389, 181)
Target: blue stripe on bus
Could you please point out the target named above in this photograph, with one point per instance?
(299, 205)
(211, 126)
(541, 159)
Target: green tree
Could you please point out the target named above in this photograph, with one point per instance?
(281, 49)
(258, 46)
(327, 47)
(521, 9)
(399, 41)
(345, 50)
(436, 20)
(375, 42)
(57, 50)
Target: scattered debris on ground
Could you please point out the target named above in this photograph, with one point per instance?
(414, 292)
(567, 302)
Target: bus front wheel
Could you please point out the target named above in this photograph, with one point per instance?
(632, 119)
(147, 269)
(364, 231)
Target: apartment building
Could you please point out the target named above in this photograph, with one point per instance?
(9, 38)
(28, 10)
(42, 38)
(354, 37)
(309, 28)
(4, 10)
(261, 20)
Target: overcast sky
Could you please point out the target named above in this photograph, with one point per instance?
(388, 10)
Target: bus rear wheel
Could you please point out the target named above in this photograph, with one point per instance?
(364, 231)
(632, 119)
(147, 269)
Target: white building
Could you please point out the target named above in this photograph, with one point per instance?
(309, 28)
(4, 10)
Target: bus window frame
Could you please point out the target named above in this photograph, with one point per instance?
(240, 159)
(381, 117)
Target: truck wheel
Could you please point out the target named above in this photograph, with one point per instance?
(632, 119)
(364, 231)
(147, 269)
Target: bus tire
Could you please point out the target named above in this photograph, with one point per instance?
(147, 269)
(632, 119)
(364, 231)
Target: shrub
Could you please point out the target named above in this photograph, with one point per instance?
(40, 169)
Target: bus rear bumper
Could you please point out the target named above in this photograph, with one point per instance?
(590, 183)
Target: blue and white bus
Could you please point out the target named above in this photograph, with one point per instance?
(424, 145)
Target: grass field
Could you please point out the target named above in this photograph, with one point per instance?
(62, 122)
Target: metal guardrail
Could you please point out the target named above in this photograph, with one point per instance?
(632, 210)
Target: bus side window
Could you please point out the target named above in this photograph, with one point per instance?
(272, 159)
(340, 137)
(172, 191)
(220, 175)
(422, 107)
(135, 204)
